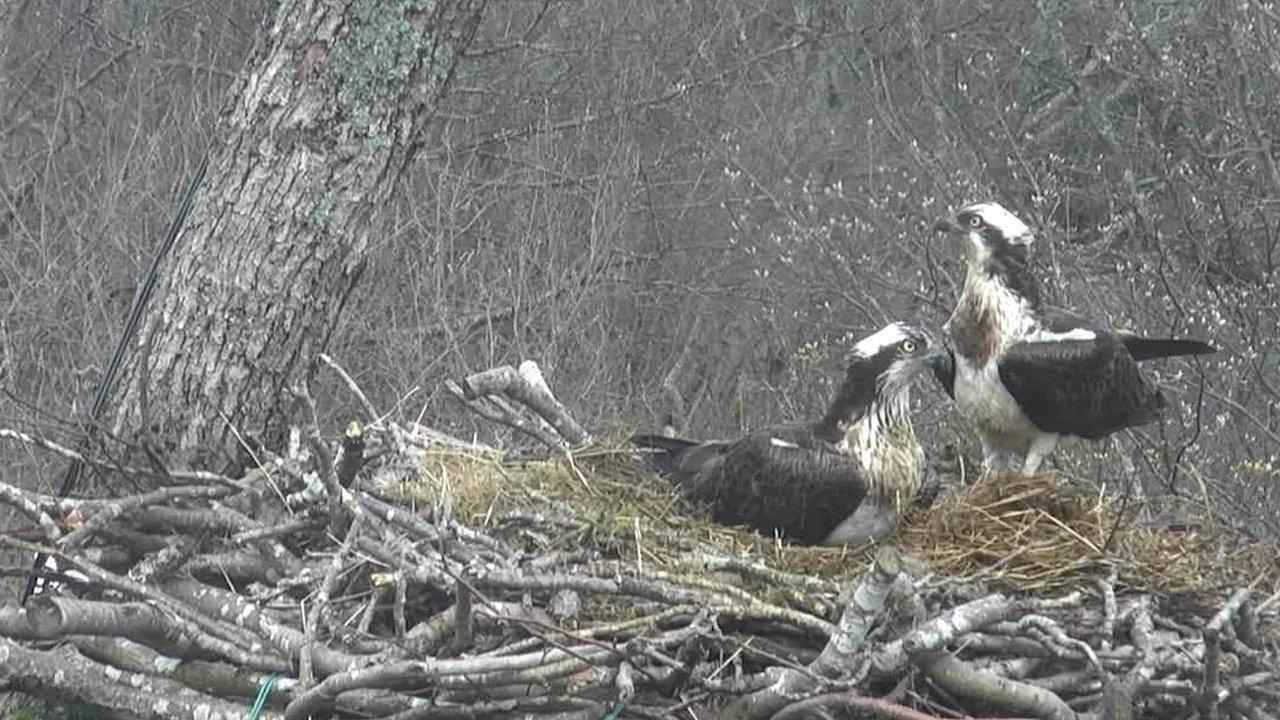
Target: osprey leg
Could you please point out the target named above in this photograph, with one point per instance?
(990, 458)
(870, 523)
(1041, 447)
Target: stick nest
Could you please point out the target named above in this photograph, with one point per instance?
(1037, 534)
(401, 573)
(1032, 535)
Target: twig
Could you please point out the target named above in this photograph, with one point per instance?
(63, 667)
(989, 690)
(351, 385)
(214, 637)
(464, 624)
(1210, 693)
(23, 502)
(818, 705)
(527, 386)
(498, 410)
(838, 657)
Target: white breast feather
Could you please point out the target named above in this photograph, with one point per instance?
(885, 444)
(1043, 335)
(985, 296)
(979, 394)
(982, 397)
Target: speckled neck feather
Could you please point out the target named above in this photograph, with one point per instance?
(996, 307)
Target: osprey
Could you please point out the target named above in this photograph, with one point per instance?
(845, 478)
(1027, 374)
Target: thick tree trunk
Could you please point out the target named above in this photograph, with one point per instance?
(323, 122)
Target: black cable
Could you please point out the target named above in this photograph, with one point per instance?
(75, 471)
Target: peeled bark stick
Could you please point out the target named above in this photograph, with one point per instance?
(429, 438)
(246, 615)
(225, 640)
(289, 527)
(14, 624)
(746, 567)
(940, 631)
(814, 707)
(1210, 693)
(891, 661)
(1228, 611)
(28, 504)
(1107, 589)
(65, 670)
(105, 512)
(839, 656)
(669, 593)
(427, 637)
(559, 708)
(466, 673)
(989, 690)
(494, 409)
(528, 387)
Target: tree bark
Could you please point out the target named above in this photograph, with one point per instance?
(322, 124)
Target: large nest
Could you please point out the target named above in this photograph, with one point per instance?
(1032, 535)
(401, 573)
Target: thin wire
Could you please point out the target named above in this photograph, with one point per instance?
(141, 296)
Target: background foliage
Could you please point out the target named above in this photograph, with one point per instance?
(691, 207)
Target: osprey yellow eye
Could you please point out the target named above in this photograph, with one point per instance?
(909, 346)
(975, 221)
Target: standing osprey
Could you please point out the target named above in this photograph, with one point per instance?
(843, 479)
(1027, 374)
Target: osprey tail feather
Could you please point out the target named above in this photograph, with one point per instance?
(1152, 348)
(662, 453)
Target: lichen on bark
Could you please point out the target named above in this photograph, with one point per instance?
(377, 52)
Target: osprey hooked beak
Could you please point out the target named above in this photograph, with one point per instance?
(936, 356)
(936, 353)
(929, 358)
(949, 224)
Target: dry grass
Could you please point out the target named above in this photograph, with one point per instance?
(1026, 535)
(1036, 534)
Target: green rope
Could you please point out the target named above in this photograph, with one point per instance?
(264, 693)
(616, 712)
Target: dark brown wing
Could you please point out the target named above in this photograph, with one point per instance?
(779, 480)
(1086, 388)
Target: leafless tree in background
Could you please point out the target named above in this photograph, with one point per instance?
(691, 204)
(320, 129)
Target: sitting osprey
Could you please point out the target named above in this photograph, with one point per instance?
(1028, 374)
(843, 479)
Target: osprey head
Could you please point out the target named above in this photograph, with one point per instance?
(894, 355)
(880, 370)
(987, 230)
